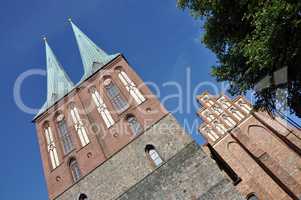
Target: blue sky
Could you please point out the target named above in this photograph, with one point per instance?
(160, 41)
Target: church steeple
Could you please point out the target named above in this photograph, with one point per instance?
(92, 56)
(58, 82)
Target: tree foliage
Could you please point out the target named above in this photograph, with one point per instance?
(258, 46)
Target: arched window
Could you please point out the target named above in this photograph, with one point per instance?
(252, 197)
(237, 114)
(83, 197)
(243, 105)
(220, 127)
(114, 95)
(153, 155)
(209, 115)
(207, 100)
(51, 148)
(131, 87)
(75, 170)
(224, 102)
(135, 126)
(64, 134)
(228, 120)
(217, 109)
(79, 126)
(102, 108)
(210, 133)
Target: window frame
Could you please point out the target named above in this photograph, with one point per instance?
(50, 146)
(129, 120)
(116, 97)
(151, 148)
(79, 127)
(134, 91)
(64, 136)
(101, 107)
(75, 170)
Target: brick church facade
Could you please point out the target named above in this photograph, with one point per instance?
(108, 137)
(260, 154)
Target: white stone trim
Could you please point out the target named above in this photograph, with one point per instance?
(51, 148)
(79, 127)
(102, 109)
(131, 87)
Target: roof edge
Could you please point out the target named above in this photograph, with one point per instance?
(41, 111)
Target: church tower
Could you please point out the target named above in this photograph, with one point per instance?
(108, 137)
(260, 154)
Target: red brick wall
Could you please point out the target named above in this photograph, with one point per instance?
(265, 153)
(283, 164)
(103, 143)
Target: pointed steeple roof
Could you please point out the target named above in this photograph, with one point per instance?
(92, 56)
(58, 82)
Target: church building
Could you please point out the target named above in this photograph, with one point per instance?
(107, 137)
(258, 152)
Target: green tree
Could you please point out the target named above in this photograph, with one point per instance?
(258, 46)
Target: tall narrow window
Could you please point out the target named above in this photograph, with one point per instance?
(115, 97)
(224, 102)
(51, 148)
(131, 87)
(64, 134)
(243, 105)
(210, 133)
(228, 120)
(219, 127)
(102, 108)
(79, 126)
(135, 126)
(217, 109)
(237, 114)
(208, 101)
(75, 170)
(153, 155)
(209, 115)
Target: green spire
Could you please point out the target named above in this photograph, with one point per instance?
(92, 56)
(58, 82)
